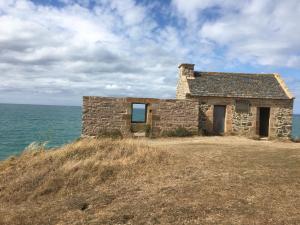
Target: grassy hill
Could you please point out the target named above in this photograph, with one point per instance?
(208, 180)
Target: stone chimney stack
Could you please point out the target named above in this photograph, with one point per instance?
(187, 70)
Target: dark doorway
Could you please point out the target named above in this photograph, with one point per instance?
(219, 119)
(264, 116)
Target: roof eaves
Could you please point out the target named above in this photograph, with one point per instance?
(283, 85)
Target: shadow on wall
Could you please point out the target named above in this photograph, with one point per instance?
(205, 121)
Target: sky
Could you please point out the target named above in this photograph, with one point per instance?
(56, 51)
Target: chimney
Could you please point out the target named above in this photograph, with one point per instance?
(187, 70)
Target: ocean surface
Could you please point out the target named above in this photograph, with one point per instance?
(296, 126)
(21, 125)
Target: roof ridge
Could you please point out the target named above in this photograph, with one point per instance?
(234, 73)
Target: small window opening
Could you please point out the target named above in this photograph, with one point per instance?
(242, 106)
(139, 113)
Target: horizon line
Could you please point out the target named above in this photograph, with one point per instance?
(37, 104)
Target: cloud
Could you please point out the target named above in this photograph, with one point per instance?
(257, 33)
(57, 53)
(261, 32)
(191, 9)
(109, 49)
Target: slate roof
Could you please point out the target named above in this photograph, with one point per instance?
(241, 85)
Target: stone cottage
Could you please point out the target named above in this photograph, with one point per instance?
(238, 103)
(211, 103)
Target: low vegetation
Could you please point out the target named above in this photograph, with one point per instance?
(178, 132)
(114, 134)
(203, 180)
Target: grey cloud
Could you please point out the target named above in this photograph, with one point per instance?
(59, 54)
(57, 59)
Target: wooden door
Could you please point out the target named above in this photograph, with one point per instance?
(264, 117)
(219, 119)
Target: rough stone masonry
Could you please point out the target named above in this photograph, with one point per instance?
(109, 114)
(210, 103)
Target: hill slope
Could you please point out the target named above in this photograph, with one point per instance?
(173, 181)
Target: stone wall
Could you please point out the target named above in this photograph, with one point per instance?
(171, 114)
(182, 88)
(105, 114)
(205, 111)
(282, 120)
(243, 123)
(247, 124)
(108, 114)
(186, 71)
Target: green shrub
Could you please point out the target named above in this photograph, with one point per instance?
(114, 134)
(178, 132)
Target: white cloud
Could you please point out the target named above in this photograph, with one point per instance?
(111, 86)
(262, 32)
(131, 13)
(55, 55)
(75, 51)
(257, 32)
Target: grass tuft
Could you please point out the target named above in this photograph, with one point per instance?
(178, 132)
(114, 134)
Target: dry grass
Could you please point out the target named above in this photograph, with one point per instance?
(207, 180)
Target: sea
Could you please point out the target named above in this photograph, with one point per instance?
(20, 125)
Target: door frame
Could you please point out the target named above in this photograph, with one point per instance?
(259, 121)
(213, 119)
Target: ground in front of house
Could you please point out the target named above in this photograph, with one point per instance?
(201, 180)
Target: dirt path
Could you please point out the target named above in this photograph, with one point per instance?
(233, 141)
(235, 180)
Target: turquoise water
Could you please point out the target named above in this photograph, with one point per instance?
(296, 126)
(138, 115)
(21, 125)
